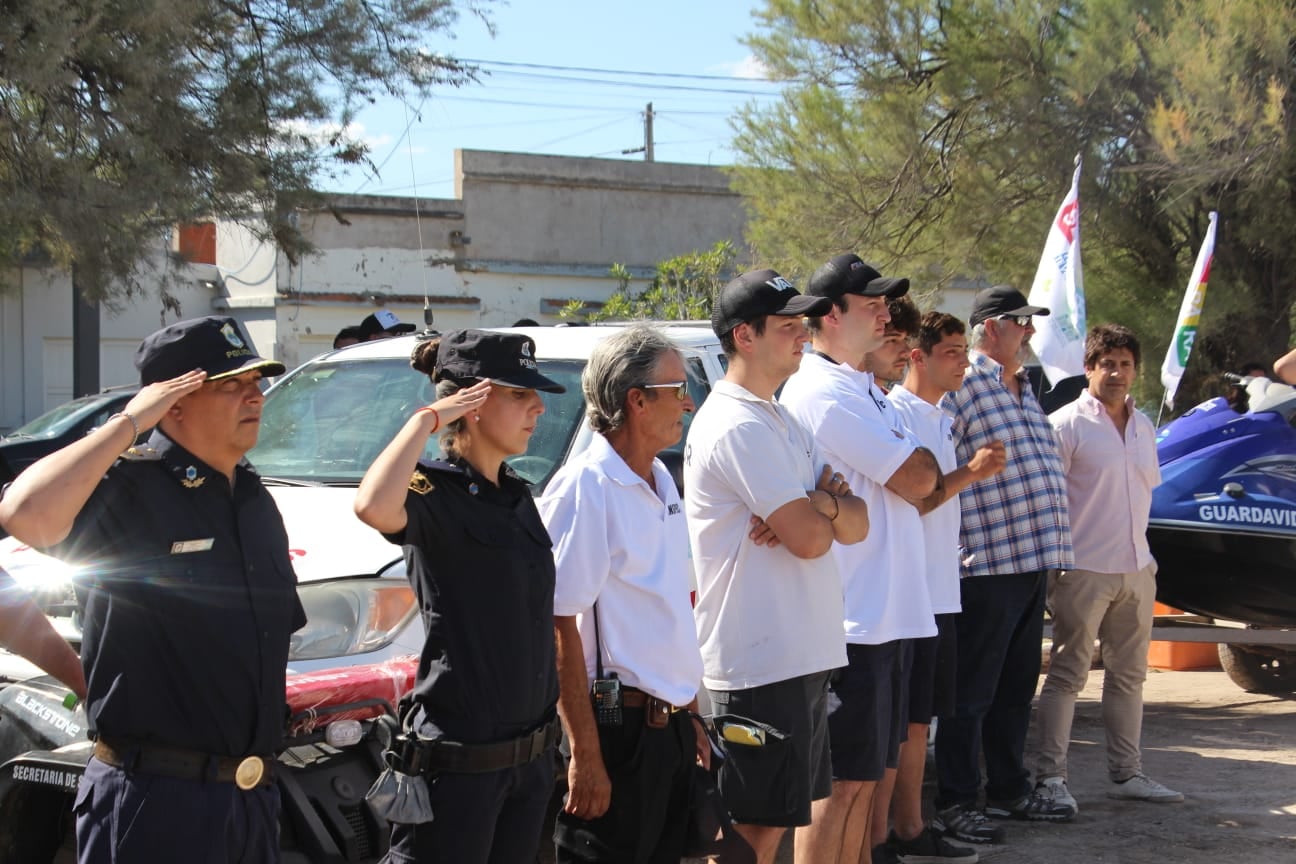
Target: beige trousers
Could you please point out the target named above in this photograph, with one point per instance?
(1115, 608)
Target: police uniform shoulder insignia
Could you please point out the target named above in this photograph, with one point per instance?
(141, 453)
(420, 484)
(191, 479)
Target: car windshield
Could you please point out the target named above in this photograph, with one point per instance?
(58, 420)
(328, 422)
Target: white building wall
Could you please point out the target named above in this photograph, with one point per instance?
(524, 235)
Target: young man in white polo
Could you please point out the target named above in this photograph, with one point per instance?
(937, 361)
(622, 619)
(886, 602)
(768, 616)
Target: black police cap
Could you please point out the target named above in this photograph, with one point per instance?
(217, 345)
(505, 358)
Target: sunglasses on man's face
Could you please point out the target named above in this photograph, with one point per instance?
(1019, 320)
(680, 388)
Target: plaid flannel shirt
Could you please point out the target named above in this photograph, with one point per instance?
(1015, 521)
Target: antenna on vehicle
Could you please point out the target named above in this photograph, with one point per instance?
(428, 332)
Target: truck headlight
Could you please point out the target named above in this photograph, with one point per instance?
(351, 616)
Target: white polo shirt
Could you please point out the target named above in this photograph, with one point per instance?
(763, 615)
(934, 428)
(620, 543)
(885, 575)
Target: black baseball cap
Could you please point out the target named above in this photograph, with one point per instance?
(847, 274)
(217, 345)
(504, 358)
(384, 321)
(758, 293)
(1001, 300)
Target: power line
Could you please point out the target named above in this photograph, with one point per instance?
(603, 82)
(569, 106)
(612, 122)
(588, 70)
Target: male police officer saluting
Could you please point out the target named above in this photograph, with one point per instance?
(188, 598)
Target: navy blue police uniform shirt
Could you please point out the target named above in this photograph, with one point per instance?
(188, 599)
(481, 563)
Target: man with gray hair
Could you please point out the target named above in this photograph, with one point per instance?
(629, 666)
(1015, 530)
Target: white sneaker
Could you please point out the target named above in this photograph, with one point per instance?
(1056, 788)
(1141, 787)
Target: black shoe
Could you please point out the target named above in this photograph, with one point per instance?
(884, 855)
(1033, 807)
(965, 822)
(930, 848)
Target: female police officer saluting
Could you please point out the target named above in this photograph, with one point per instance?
(481, 564)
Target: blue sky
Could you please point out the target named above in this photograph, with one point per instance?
(573, 113)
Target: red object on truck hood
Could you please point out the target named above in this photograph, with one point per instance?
(318, 698)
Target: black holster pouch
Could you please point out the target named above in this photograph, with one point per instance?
(400, 794)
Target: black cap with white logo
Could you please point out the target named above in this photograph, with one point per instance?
(847, 274)
(217, 345)
(504, 358)
(758, 293)
(384, 321)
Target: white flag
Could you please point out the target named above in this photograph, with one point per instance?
(1059, 286)
(1185, 333)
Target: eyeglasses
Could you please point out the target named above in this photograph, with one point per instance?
(1019, 320)
(680, 388)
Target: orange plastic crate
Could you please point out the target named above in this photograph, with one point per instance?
(1179, 656)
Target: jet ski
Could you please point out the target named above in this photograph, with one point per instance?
(1223, 523)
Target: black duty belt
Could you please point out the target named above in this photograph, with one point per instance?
(458, 758)
(245, 772)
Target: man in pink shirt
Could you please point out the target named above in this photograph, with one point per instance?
(1109, 456)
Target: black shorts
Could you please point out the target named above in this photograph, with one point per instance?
(772, 780)
(871, 699)
(934, 674)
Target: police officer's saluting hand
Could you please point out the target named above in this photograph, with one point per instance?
(188, 600)
(481, 563)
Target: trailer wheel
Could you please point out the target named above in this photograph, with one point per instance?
(1256, 669)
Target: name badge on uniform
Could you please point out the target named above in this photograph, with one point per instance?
(180, 547)
(672, 509)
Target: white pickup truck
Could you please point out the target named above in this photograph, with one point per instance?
(323, 424)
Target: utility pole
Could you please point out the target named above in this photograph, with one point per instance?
(647, 148)
(648, 134)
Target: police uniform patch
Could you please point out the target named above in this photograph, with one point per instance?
(141, 453)
(191, 479)
(420, 484)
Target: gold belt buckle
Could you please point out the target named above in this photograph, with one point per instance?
(249, 772)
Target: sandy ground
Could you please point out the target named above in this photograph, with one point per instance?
(1232, 753)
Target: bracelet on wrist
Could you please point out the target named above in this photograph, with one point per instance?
(436, 418)
(134, 427)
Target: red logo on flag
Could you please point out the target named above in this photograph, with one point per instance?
(1067, 220)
